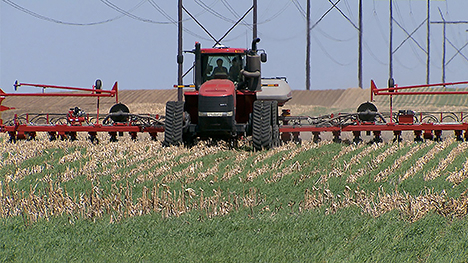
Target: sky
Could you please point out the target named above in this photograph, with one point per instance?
(73, 43)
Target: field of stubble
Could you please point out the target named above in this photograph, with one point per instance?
(311, 202)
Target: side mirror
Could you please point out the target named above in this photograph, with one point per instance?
(263, 57)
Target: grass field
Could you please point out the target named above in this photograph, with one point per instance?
(325, 202)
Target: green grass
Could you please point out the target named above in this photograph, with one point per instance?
(347, 236)
(276, 228)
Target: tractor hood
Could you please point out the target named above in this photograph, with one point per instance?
(217, 88)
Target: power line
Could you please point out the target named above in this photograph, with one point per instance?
(299, 8)
(114, 7)
(49, 19)
(349, 10)
(236, 15)
(366, 46)
(124, 12)
(334, 6)
(403, 65)
(343, 14)
(171, 20)
(230, 8)
(213, 12)
(174, 22)
(326, 35)
(234, 37)
(294, 35)
(238, 21)
(410, 36)
(277, 14)
(328, 54)
(459, 50)
(161, 11)
(381, 31)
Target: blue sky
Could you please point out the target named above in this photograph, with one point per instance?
(140, 52)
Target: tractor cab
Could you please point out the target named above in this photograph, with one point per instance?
(222, 63)
(240, 66)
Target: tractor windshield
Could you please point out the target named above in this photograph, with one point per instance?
(222, 66)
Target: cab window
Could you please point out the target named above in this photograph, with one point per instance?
(221, 66)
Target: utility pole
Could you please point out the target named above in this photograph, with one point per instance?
(360, 46)
(444, 47)
(254, 29)
(180, 57)
(409, 36)
(428, 48)
(390, 70)
(445, 40)
(391, 82)
(308, 47)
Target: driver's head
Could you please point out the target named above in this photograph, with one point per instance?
(219, 62)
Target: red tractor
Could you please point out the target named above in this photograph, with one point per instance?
(226, 104)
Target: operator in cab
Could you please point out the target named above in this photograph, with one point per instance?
(219, 70)
(234, 71)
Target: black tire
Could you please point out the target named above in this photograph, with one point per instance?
(173, 125)
(261, 125)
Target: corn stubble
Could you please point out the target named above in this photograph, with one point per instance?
(119, 203)
(410, 207)
(173, 173)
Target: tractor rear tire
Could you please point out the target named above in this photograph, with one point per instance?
(261, 125)
(173, 125)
